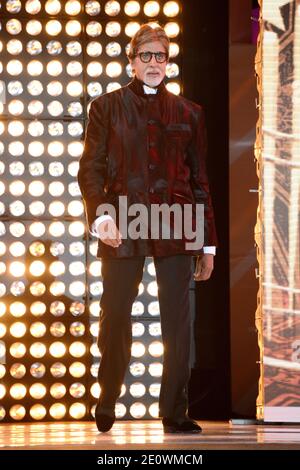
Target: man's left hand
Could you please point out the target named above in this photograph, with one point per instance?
(204, 267)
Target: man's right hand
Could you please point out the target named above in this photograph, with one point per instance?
(109, 234)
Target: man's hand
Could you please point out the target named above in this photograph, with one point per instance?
(204, 267)
(109, 233)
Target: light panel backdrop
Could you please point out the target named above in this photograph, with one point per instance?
(277, 231)
(56, 56)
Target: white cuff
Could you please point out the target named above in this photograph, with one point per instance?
(97, 222)
(209, 250)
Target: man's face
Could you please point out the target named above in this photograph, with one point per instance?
(151, 73)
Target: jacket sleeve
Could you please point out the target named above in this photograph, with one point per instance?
(196, 160)
(92, 173)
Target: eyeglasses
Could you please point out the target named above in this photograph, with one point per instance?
(146, 56)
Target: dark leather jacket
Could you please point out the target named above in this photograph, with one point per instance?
(152, 149)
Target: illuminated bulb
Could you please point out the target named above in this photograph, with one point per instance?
(17, 188)
(77, 349)
(16, 107)
(17, 269)
(77, 229)
(56, 188)
(38, 309)
(57, 268)
(33, 6)
(33, 27)
(132, 8)
(151, 9)
(137, 369)
(14, 67)
(38, 350)
(95, 390)
(2, 330)
(36, 188)
(2, 391)
(172, 29)
(38, 412)
(58, 390)
(72, 7)
(77, 369)
(138, 410)
(35, 68)
(58, 370)
(152, 288)
(2, 309)
(56, 149)
(174, 49)
(57, 411)
(56, 229)
(18, 391)
(53, 27)
(156, 349)
(113, 69)
(93, 8)
(13, 6)
(36, 148)
(75, 208)
(54, 88)
(77, 410)
(37, 229)
(17, 371)
(131, 28)
(57, 329)
(137, 349)
(112, 8)
(53, 7)
(154, 410)
(17, 350)
(17, 412)
(137, 390)
(94, 69)
(171, 9)
(74, 88)
(57, 349)
(113, 28)
(56, 208)
(54, 68)
(155, 369)
(37, 391)
(94, 329)
(37, 370)
(38, 329)
(73, 28)
(13, 26)
(75, 148)
(15, 128)
(37, 268)
(77, 390)
(173, 87)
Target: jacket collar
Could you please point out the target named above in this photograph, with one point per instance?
(136, 86)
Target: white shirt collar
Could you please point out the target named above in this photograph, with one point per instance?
(149, 91)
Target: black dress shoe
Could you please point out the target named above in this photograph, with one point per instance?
(187, 426)
(104, 421)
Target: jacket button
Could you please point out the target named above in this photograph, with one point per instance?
(151, 166)
(151, 190)
(151, 122)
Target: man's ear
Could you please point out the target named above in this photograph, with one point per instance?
(132, 66)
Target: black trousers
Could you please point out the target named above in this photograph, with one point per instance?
(121, 278)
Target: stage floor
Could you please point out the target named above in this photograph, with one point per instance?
(145, 435)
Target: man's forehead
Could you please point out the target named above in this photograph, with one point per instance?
(155, 46)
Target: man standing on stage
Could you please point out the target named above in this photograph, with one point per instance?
(148, 146)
